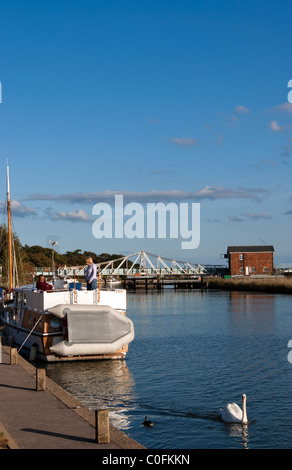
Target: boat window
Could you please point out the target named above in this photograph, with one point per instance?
(56, 323)
(18, 299)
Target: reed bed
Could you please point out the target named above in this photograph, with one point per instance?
(272, 285)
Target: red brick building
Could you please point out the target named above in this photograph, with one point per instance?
(250, 260)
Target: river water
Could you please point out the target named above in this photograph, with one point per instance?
(194, 352)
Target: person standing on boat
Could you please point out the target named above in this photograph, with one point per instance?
(42, 284)
(90, 274)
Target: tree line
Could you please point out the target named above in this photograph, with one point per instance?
(29, 257)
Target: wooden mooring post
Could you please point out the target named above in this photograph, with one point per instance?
(40, 380)
(102, 432)
(13, 356)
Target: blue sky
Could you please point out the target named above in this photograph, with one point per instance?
(148, 99)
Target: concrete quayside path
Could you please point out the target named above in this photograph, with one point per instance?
(46, 419)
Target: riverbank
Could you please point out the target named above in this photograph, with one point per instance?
(270, 285)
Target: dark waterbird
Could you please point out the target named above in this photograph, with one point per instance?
(147, 422)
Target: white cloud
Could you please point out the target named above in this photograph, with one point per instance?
(285, 107)
(18, 209)
(274, 126)
(249, 215)
(219, 140)
(234, 118)
(241, 109)
(234, 218)
(207, 192)
(184, 142)
(154, 121)
(262, 215)
(78, 216)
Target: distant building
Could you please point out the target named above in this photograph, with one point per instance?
(250, 260)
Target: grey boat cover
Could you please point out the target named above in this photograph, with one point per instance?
(93, 324)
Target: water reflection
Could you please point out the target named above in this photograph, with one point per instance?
(237, 430)
(98, 384)
(256, 312)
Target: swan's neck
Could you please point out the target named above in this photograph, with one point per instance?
(244, 414)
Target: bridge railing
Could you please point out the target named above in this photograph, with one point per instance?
(80, 271)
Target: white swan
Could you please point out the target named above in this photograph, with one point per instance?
(232, 413)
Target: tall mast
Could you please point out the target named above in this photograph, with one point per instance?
(9, 232)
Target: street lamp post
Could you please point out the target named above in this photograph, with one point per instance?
(53, 243)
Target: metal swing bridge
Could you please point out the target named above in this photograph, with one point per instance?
(143, 264)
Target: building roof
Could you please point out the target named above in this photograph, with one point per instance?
(250, 249)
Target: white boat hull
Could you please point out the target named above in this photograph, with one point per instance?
(68, 331)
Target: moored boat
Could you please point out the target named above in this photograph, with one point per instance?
(66, 322)
(66, 325)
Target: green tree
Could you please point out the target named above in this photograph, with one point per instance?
(42, 257)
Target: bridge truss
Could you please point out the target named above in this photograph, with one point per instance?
(143, 263)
